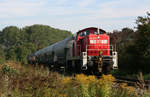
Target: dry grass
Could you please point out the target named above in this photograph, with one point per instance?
(17, 80)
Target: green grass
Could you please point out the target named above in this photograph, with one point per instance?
(146, 76)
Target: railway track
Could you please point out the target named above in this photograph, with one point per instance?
(140, 82)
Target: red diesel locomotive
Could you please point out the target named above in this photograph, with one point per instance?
(89, 51)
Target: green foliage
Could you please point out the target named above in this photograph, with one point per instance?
(2, 56)
(118, 72)
(10, 36)
(43, 36)
(11, 54)
(134, 46)
(16, 44)
(22, 53)
(84, 90)
(7, 70)
(142, 43)
(122, 93)
(147, 76)
(92, 89)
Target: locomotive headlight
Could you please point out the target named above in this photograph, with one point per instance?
(104, 41)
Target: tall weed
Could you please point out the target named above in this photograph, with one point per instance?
(17, 80)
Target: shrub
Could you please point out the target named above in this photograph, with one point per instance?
(7, 70)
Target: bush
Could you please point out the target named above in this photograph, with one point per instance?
(7, 70)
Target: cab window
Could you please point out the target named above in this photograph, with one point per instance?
(85, 33)
(95, 32)
(101, 32)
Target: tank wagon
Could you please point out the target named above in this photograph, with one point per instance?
(89, 51)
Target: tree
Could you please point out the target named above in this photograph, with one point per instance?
(11, 54)
(142, 42)
(42, 35)
(2, 55)
(22, 53)
(17, 44)
(135, 54)
(10, 36)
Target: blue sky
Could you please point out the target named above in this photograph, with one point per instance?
(73, 15)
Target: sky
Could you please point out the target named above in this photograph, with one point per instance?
(73, 15)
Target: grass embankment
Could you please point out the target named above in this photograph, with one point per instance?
(17, 80)
(146, 76)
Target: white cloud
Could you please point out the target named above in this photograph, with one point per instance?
(73, 15)
(61, 2)
(123, 8)
(16, 8)
(85, 3)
